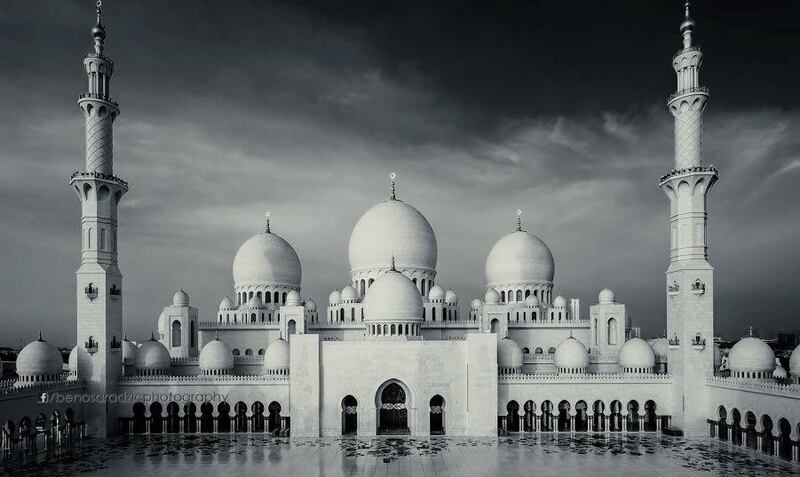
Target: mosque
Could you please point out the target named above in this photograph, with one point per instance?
(520, 359)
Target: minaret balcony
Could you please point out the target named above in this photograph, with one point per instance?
(686, 171)
(114, 292)
(698, 287)
(90, 291)
(698, 343)
(98, 97)
(674, 289)
(78, 175)
(685, 50)
(674, 342)
(687, 91)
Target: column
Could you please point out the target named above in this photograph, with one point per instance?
(658, 424)
(641, 423)
(607, 427)
(572, 423)
(589, 421)
(624, 423)
(535, 423)
(760, 443)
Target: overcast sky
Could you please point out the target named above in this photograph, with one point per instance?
(302, 108)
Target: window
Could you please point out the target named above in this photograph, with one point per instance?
(176, 333)
(102, 239)
(612, 331)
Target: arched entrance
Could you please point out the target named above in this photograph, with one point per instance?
(563, 416)
(722, 424)
(349, 416)
(530, 411)
(512, 418)
(274, 424)
(139, 419)
(437, 415)
(392, 410)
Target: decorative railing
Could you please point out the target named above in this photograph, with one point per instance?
(512, 323)
(584, 378)
(204, 379)
(537, 358)
(763, 387)
(685, 91)
(688, 170)
(97, 175)
(62, 384)
(101, 97)
(237, 324)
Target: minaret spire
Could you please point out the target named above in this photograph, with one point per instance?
(98, 32)
(686, 27)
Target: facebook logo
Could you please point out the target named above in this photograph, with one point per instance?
(43, 397)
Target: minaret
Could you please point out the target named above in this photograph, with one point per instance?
(99, 281)
(690, 277)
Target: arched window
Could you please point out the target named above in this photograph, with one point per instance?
(191, 334)
(352, 314)
(551, 350)
(283, 297)
(519, 295)
(275, 297)
(176, 333)
(612, 331)
(248, 352)
(235, 351)
(539, 351)
(433, 314)
(502, 296)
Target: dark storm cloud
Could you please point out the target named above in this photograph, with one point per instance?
(232, 108)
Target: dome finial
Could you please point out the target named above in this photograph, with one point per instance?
(751, 330)
(216, 335)
(687, 9)
(570, 334)
(393, 269)
(40, 335)
(519, 220)
(266, 226)
(152, 336)
(392, 193)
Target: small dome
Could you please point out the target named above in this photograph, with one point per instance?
(450, 297)
(560, 302)
(293, 298)
(751, 354)
(636, 353)
(571, 354)
(311, 305)
(216, 355)
(349, 294)
(794, 362)
(226, 304)
(73, 359)
(255, 302)
(532, 301)
(152, 355)
(39, 357)
(180, 298)
(436, 293)
(779, 372)
(266, 259)
(660, 348)
(519, 257)
(392, 228)
(129, 351)
(393, 297)
(509, 354)
(492, 297)
(334, 298)
(277, 355)
(606, 296)
(475, 304)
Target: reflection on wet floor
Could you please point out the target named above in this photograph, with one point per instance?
(562, 455)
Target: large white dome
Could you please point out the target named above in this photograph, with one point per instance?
(39, 358)
(751, 354)
(509, 354)
(393, 297)
(277, 355)
(152, 355)
(637, 354)
(392, 229)
(266, 259)
(571, 354)
(794, 362)
(519, 257)
(216, 355)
